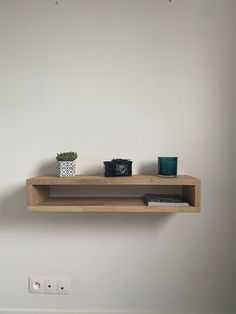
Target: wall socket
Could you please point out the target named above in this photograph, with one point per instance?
(49, 284)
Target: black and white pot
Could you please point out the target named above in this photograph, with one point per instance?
(66, 168)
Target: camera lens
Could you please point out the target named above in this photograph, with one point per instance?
(121, 169)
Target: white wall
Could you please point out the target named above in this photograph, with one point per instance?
(119, 78)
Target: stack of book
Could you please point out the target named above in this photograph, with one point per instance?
(164, 200)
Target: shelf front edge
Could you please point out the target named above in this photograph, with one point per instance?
(131, 209)
(101, 180)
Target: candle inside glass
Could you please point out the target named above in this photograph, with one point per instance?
(167, 166)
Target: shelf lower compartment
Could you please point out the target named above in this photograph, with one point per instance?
(103, 204)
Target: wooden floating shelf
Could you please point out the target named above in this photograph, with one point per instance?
(40, 197)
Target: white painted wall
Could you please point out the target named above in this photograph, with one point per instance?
(119, 78)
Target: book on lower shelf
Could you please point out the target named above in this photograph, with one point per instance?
(164, 200)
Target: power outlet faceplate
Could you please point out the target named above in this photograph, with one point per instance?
(49, 285)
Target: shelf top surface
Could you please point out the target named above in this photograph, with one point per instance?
(101, 180)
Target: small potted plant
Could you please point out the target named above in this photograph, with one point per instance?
(66, 163)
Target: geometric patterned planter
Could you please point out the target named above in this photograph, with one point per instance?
(66, 168)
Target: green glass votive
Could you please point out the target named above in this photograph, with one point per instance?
(167, 166)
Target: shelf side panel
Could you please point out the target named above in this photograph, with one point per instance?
(192, 194)
(36, 194)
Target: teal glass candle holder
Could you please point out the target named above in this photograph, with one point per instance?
(167, 166)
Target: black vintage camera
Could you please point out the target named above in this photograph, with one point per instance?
(118, 168)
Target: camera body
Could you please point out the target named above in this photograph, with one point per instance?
(118, 168)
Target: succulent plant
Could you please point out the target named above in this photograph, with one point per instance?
(66, 156)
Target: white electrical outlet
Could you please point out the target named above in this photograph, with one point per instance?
(49, 285)
(63, 285)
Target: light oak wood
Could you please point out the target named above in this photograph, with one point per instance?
(39, 199)
(36, 194)
(100, 180)
(192, 193)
